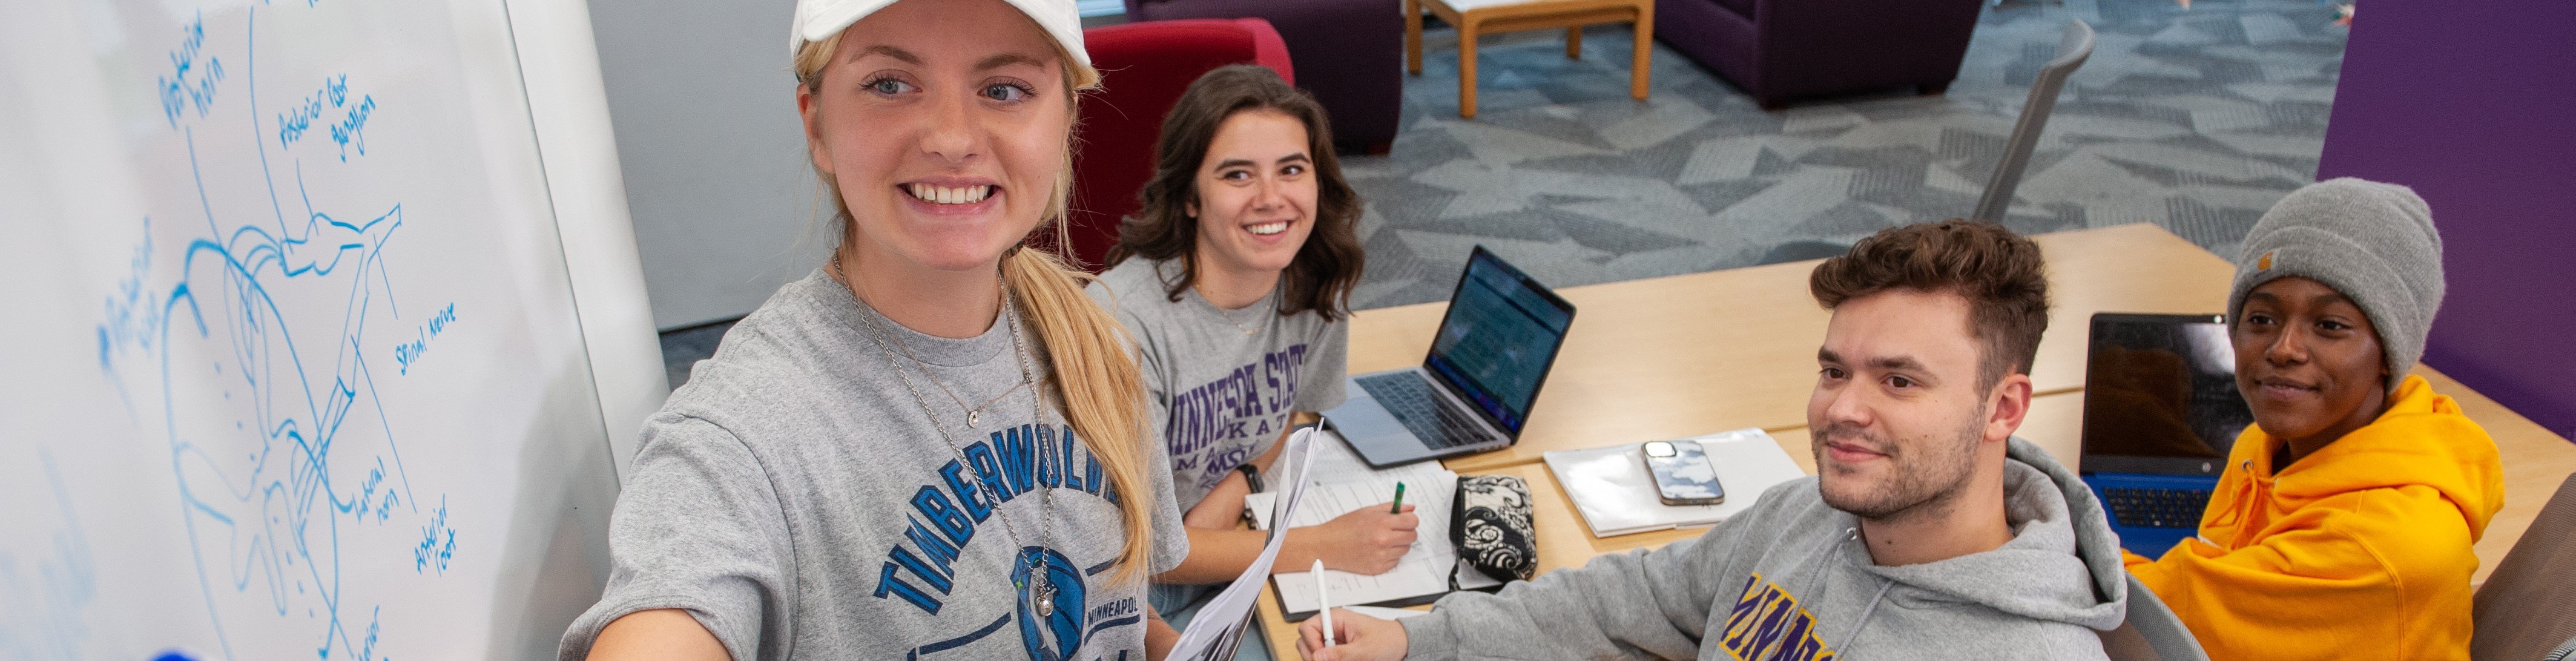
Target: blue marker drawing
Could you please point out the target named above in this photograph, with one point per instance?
(190, 84)
(298, 118)
(408, 351)
(437, 543)
(248, 347)
(353, 127)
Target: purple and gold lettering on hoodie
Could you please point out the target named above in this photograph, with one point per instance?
(1767, 624)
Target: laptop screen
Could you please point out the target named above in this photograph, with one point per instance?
(1500, 336)
(2160, 395)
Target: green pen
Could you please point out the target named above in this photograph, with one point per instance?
(1397, 507)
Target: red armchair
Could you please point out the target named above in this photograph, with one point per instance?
(1144, 67)
(1352, 52)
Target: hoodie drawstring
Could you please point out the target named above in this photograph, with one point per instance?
(1865, 614)
(1813, 569)
(1851, 535)
(2248, 502)
(2262, 496)
(2250, 492)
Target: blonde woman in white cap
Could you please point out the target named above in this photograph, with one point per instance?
(935, 445)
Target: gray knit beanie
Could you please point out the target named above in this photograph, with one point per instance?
(2370, 241)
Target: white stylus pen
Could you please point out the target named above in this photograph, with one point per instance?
(1323, 602)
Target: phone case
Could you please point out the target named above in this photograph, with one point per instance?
(1686, 477)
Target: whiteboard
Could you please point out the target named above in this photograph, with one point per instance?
(321, 333)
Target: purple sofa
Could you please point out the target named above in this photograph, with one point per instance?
(1784, 50)
(1348, 53)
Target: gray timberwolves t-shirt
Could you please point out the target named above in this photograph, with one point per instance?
(795, 498)
(1223, 395)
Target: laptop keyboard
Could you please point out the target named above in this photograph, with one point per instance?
(1414, 404)
(2156, 508)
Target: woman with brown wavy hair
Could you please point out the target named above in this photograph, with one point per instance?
(934, 444)
(1234, 279)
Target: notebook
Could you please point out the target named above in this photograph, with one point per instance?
(1341, 482)
(1615, 495)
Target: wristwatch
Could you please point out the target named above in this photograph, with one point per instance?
(1251, 477)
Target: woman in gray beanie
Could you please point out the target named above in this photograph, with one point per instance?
(2343, 524)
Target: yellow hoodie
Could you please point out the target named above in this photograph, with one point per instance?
(2359, 551)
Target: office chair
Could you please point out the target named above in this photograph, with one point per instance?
(2528, 606)
(2151, 632)
(2073, 47)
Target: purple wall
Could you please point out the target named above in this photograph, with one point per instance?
(2474, 105)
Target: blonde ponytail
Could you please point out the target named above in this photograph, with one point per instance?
(1098, 382)
(1087, 354)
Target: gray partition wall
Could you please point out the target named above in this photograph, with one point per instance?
(716, 176)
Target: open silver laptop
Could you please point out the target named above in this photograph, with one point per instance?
(1473, 393)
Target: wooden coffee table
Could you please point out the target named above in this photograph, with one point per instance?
(1478, 17)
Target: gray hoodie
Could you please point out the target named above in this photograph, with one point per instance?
(1791, 579)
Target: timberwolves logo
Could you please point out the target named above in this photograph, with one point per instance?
(1052, 631)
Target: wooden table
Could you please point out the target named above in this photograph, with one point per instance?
(1693, 354)
(1478, 17)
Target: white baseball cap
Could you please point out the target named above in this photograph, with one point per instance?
(817, 20)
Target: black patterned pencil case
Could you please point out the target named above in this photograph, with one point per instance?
(1491, 527)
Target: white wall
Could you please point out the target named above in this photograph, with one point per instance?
(716, 177)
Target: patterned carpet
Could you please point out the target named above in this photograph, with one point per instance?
(2195, 119)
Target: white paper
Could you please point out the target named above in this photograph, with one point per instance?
(1425, 569)
(1336, 463)
(1383, 613)
(1342, 483)
(1219, 626)
(1616, 496)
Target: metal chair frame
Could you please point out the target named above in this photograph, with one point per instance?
(2073, 47)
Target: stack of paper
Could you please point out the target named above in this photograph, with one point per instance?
(1616, 496)
(1219, 626)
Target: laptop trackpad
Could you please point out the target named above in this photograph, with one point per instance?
(1375, 433)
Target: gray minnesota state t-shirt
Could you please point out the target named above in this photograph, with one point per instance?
(794, 497)
(1222, 396)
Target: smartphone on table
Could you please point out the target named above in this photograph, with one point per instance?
(1682, 473)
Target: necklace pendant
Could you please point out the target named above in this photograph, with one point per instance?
(1042, 595)
(974, 419)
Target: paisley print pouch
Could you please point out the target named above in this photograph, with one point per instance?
(1491, 527)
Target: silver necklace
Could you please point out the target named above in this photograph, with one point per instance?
(1039, 590)
(974, 415)
(1221, 313)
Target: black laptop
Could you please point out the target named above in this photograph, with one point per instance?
(1473, 393)
(2161, 412)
